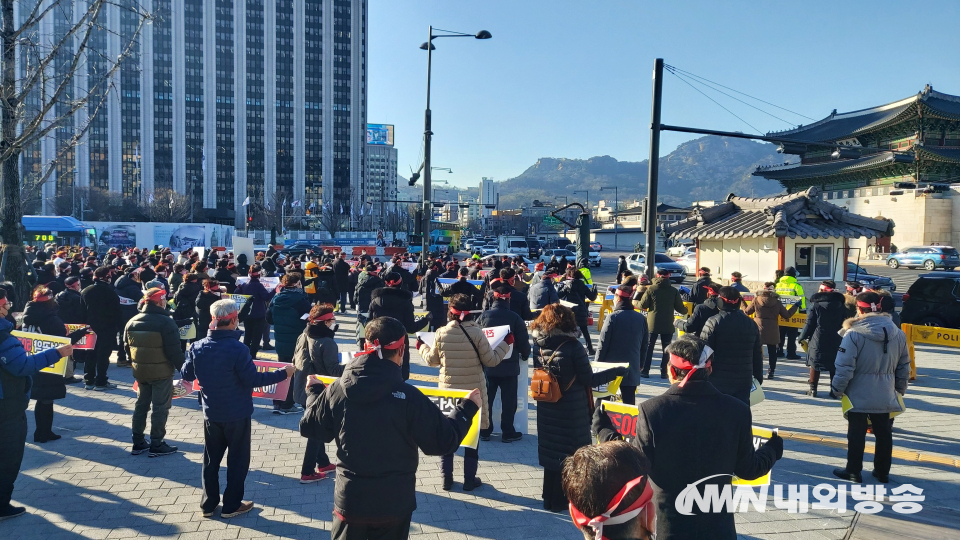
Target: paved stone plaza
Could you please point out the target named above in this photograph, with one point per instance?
(87, 485)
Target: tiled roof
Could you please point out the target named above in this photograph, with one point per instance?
(840, 126)
(829, 168)
(934, 153)
(803, 215)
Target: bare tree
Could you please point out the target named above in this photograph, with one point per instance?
(29, 100)
(331, 220)
(166, 205)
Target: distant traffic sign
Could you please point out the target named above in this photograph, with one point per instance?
(550, 220)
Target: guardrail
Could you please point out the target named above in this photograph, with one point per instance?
(932, 335)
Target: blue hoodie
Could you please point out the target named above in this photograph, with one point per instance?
(227, 375)
(16, 368)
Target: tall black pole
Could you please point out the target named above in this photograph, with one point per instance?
(427, 135)
(654, 165)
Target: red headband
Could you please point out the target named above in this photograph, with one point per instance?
(376, 347)
(159, 295)
(394, 283)
(608, 517)
(731, 300)
(873, 307)
(215, 322)
(44, 297)
(624, 294)
(504, 296)
(321, 318)
(682, 363)
(460, 314)
(824, 288)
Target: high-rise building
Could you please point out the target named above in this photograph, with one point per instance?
(380, 183)
(223, 100)
(488, 199)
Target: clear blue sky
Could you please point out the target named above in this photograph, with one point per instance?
(572, 79)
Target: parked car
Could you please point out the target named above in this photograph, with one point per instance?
(680, 250)
(933, 300)
(559, 254)
(596, 246)
(857, 273)
(488, 249)
(928, 257)
(636, 262)
(563, 242)
(689, 262)
(468, 244)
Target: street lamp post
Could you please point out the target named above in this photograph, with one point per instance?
(587, 203)
(428, 133)
(616, 213)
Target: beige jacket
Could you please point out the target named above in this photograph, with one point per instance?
(459, 365)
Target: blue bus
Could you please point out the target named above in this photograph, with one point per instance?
(61, 230)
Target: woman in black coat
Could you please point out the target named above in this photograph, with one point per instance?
(210, 294)
(564, 426)
(41, 314)
(574, 289)
(825, 315)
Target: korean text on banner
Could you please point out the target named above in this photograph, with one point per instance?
(88, 342)
(267, 282)
(239, 299)
(624, 419)
(274, 391)
(37, 343)
(446, 401)
(188, 332)
(494, 334)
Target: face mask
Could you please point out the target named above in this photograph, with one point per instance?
(335, 327)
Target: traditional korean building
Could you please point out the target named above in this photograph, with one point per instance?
(758, 236)
(900, 160)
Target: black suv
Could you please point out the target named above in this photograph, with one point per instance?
(933, 300)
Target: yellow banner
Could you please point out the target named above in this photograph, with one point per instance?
(37, 343)
(446, 400)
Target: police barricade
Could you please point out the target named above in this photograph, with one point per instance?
(931, 335)
(624, 419)
(446, 401)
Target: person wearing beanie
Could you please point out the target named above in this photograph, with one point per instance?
(735, 340)
(152, 342)
(623, 339)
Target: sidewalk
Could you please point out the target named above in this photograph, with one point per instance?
(87, 485)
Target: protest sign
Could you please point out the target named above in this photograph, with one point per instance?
(243, 246)
(409, 266)
(494, 334)
(446, 400)
(267, 282)
(88, 342)
(610, 388)
(239, 299)
(624, 419)
(274, 391)
(188, 332)
(37, 343)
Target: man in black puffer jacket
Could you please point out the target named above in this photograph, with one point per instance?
(825, 316)
(130, 292)
(735, 340)
(380, 424)
(395, 301)
(504, 376)
(342, 270)
(462, 286)
(702, 312)
(699, 292)
(101, 310)
(519, 303)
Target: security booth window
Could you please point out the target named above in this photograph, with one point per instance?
(814, 261)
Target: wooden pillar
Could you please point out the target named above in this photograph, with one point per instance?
(781, 252)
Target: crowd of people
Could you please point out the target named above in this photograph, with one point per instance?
(137, 301)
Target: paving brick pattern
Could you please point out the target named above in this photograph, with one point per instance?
(87, 485)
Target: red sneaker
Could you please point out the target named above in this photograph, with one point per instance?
(328, 469)
(311, 478)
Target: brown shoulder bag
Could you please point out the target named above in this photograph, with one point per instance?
(544, 386)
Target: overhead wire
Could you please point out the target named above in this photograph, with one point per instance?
(673, 70)
(738, 92)
(677, 75)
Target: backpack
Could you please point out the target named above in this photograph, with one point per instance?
(544, 386)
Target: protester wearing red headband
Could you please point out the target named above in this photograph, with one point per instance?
(609, 492)
(623, 339)
(872, 368)
(825, 317)
(396, 301)
(698, 293)
(316, 353)
(693, 434)
(152, 341)
(380, 424)
(735, 339)
(42, 316)
(461, 351)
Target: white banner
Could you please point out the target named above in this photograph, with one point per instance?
(267, 282)
(494, 334)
